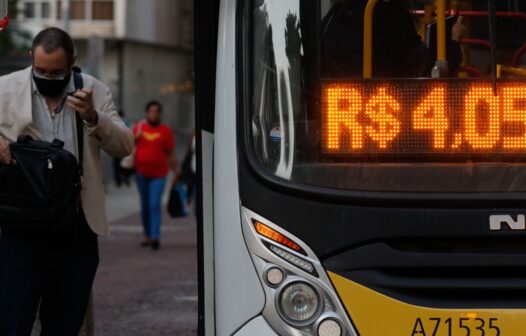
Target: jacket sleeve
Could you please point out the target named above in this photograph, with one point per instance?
(112, 134)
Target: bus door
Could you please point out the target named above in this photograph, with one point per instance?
(356, 189)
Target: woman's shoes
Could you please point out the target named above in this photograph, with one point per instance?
(146, 242)
(154, 244)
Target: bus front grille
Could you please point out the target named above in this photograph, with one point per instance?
(440, 273)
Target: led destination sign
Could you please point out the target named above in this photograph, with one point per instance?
(423, 117)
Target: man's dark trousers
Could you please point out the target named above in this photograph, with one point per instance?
(55, 269)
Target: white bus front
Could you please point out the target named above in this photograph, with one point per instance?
(336, 205)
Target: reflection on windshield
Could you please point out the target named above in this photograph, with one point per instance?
(277, 38)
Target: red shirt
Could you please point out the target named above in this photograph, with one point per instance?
(153, 149)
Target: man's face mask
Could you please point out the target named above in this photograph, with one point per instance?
(51, 87)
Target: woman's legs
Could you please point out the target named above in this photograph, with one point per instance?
(156, 190)
(143, 185)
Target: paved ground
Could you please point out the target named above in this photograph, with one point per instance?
(139, 291)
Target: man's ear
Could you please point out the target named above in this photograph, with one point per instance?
(74, 60)
(31, 53)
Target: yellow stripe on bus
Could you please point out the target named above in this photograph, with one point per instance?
(375, 314)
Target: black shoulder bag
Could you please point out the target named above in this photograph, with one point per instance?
(41, 189)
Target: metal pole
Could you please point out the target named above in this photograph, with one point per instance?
(65, 14)
(441, 65)
(493, 41)
(368, 39)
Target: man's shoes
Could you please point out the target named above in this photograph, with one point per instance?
(155, 245)
(146, 242)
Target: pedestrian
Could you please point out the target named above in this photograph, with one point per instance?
(154, 157)
(55, 270)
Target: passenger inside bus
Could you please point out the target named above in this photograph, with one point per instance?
(398, 50)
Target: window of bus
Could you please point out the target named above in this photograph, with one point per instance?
(431, 117)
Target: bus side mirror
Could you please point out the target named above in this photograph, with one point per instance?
(3, 14)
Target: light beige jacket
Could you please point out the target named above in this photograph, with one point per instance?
(110, 135)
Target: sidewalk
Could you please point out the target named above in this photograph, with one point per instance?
(142, 292)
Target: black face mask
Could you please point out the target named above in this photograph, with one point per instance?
(51, 87)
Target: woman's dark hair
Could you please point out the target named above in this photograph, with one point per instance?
(53, 39)
(154, 103)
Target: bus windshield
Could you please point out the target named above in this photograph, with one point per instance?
(403, 100)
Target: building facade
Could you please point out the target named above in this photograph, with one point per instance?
(142, 49)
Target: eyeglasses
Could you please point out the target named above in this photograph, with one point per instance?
(49, 76)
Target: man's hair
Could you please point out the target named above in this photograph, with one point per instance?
(53, 39)
(154, 103)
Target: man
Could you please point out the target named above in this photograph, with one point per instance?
(56, 270)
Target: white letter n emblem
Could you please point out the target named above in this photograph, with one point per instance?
(496, 222)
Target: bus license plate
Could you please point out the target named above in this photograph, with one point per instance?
(456, 326)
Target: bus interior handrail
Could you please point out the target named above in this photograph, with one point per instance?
(470, 13)
(368, 39)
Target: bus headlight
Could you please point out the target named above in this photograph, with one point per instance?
(299, 302)
(299, 297)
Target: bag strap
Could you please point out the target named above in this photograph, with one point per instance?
(79, 85)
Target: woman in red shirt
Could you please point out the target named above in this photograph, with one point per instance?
(154, 157)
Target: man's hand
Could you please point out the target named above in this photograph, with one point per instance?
(82, 102)
(5, 153)
(459, 31)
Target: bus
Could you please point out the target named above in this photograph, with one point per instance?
(362, 167)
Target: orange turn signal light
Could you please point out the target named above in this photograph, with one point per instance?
(273, 235)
